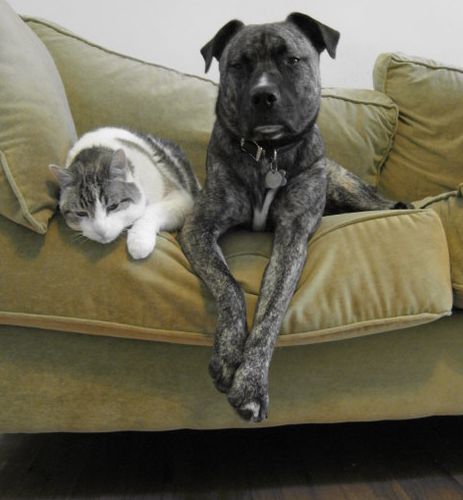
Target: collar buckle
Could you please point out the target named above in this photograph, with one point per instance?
(257, 154)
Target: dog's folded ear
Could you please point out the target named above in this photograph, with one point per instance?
(323, 37)
(214, 47)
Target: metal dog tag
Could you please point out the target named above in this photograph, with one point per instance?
(275, 179)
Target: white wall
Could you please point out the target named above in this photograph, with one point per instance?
(172, 32)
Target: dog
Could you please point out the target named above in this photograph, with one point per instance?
(265, 170)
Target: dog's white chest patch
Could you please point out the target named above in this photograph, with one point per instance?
(260, 215)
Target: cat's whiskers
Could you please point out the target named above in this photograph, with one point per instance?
(79, 237)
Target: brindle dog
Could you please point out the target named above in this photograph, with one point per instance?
(266, 170)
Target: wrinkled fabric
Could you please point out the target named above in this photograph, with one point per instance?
(365, 273)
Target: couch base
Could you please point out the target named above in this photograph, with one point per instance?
(51, 381)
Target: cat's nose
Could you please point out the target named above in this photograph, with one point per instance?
(106, 238)
(103, 235)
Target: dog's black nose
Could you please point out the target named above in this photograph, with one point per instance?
(264, 96)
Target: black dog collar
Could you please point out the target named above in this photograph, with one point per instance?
(260, 153)
(255, 151)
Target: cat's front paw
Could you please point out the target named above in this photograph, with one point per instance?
(140, 245)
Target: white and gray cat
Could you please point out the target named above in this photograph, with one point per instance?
(116, 179)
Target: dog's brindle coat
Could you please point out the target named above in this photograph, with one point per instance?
(269, 93)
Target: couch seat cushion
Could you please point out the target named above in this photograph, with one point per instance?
(449, 207)
(367, 272)
(36, 126)
(427, 156)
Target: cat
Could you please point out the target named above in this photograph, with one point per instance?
(116, 179)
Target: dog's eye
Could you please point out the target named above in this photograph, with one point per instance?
(236, 65)
(293, 60)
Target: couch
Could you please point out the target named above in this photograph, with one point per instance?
(91, 340)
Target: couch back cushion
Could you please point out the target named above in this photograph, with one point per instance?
(358, 128)
(107, 88)
(427, 156)
(36, 126)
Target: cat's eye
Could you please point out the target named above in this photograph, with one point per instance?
(81, 214)
(112, 207)
(293, 60)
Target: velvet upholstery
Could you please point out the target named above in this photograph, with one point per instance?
(449, 207)
(427, 157)
(91, 340)
(54, 382)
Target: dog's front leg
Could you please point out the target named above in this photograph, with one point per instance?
(198, 239)
(296, 216)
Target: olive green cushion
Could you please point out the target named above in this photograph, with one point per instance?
(106, 88)
(358, 128)
(366, 273)
(449, 207)
(427, 156)
(36, 126)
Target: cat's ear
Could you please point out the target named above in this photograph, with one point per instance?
(118, 165)
(62, 175)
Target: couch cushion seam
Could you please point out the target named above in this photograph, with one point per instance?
(405, 61)
(391, 106)
(120, 328)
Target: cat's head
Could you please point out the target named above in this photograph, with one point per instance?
(98, 194)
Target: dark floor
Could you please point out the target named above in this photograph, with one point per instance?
(417, 459)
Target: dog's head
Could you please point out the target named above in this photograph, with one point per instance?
(269, 75)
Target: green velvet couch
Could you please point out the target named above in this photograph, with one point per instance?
(91, 340)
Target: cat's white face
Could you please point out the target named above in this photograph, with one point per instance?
(100, 198)
(104, 226)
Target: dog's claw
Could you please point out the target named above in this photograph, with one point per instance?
(253, 412)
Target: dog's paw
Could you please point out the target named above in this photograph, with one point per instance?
(249, 393)
(227, 354)
(140, 245)
(222, 370)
